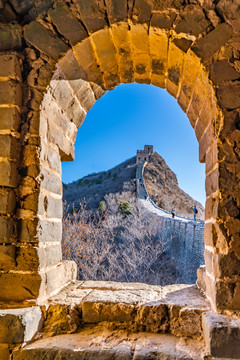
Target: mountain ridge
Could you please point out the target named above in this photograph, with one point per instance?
(161, 183)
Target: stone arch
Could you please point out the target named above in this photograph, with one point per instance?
(96, 45)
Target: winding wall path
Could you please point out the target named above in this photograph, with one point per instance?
(187, 240)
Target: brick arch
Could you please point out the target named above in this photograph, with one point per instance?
(175, 46)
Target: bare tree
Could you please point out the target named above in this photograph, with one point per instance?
(106, 245)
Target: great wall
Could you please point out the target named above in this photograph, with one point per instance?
(187, 235)
(57, 58)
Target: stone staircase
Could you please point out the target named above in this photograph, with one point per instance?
(108, 320)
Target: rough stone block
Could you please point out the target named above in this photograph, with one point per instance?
(44, 40)
(222, 71)
(19, 325)
(193, 21)
(66, 146)
(229, 95)
(7, 230)
(221, 335)
(69, 68)
(163, 20)
(54, 207)
(141, 11)
(68, 25)
(84, 93)
(106, 55)
(86, 58)
(212, 42)
(158, 44)
(9, 67)
(9, 118)
(120, 37)
(10, 93)
(49, 230)
(227, 295)
(49, 255)
(8, 174)
(7, 201)
(27, 230)
(18, 287)
(201, 281)
(212, 182)
(175, 63)
(10, 37)
(93, 14)
(9, 146)
(5, 352)
(60, 276)
(27, 258)
(205, 142)
(140, 53)
(51, 181)
(7, 257)
(116, 10)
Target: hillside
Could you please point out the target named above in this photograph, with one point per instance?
(161, 183)
(163, 189)
(91, 189)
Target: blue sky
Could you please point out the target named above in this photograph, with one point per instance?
(127, 118)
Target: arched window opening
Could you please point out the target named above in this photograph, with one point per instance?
(129, 220)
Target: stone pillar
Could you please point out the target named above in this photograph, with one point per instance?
(222, 228)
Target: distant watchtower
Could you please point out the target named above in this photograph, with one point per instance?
(143, 155)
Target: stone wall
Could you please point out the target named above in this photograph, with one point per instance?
(73, 52)
(185, 237)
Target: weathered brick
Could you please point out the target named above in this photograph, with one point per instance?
(61, 275)
(10, 37)
(116, 10)
(9, 118)
(5, 351)
(158, 44)
(120, 36)
(140, 53)
(67, 24)
(27, 230)
(163, 20)
(9, 146)
(10, 93)
(84, 93)
(229, 95)
(27, 258)
(7, 257)
(221, 335)
(86, 58)
(49, 255)
(44, 40)
(19, 287)
(227, 295)
(212, 42)
(9, 67)
(8, 174)
(49, 231)
(193, 20)
(7, 201)
(212, 182)
(93, 14)
(106, 55)
(141, 11)
(222, 71)
(19, 325)
(7, 230)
